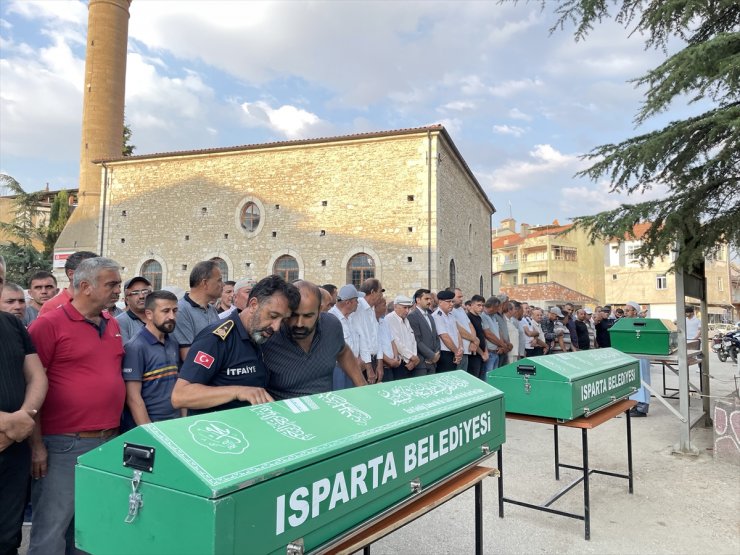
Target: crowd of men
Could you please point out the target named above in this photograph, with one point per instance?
(81, 374)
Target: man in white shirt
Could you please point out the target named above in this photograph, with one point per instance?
(391, 359)
(467, 332)
(449, 336)
(366, 325)
(346, 305)
(404, 338)
(693, 325)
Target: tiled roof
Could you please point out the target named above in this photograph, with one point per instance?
(370, 135)
(550, 291)
(638, 231)
(506, 241)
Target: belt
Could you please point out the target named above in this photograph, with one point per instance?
(101, 434)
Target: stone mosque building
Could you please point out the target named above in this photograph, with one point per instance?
(401, 206)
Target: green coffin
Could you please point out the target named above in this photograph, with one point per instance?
(644, 336)
(256, 479)
(568, 385)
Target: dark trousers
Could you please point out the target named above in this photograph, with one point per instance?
(402, 373)
(446, 362)
(475, 366)
(387, 374)
(15, 473)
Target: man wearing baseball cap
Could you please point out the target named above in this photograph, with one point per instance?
(347, 301)
(642, 395)
(133, 320)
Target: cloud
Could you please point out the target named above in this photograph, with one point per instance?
(509, 130)
(38, 87)
(292, 122)
(544, 162)
(516, 113)
(453, 126)
(457, 106)
(65, 12)
(514, 86)
(590, 198)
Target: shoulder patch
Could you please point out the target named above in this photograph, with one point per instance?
(224, 329)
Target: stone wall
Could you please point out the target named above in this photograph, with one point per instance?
(320, 202)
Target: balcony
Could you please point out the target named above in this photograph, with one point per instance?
(533, 265)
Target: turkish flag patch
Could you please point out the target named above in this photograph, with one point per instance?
(204, 359)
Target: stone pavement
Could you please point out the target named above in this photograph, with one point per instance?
(681, 504)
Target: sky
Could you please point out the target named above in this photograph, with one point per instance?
(521, 104)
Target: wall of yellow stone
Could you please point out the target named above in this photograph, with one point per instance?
(463, 228)
(179, 210)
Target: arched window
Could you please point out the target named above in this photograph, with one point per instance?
(250, 217)
(453, 273)
(286, 267)
(222, 266)
(359, 268)
(152, 270)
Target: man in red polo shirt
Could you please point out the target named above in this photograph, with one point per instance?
(80, 346)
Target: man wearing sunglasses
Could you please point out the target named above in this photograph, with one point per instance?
(133, 320)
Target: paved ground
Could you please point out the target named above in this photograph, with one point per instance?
(681, 504)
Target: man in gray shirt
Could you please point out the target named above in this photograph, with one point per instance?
(195, 311)
(301, 357)
(133, 320)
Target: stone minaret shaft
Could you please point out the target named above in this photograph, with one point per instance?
(102, 115)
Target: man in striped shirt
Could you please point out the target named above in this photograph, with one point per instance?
(151, 363)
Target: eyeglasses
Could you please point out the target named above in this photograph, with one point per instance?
(137, 292)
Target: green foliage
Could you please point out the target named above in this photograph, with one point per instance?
(27, 213)
(59, 214)
(697, 159)
(128, 148)
(21, 257)
(22, 262)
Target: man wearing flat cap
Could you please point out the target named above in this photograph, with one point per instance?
(642, 395)
(404, 338)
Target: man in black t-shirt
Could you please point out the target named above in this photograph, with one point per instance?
(22, 390)
(602, 323)
(582, 339)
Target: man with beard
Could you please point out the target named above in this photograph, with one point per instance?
(151, 363)
(301, 357)
(224, 368)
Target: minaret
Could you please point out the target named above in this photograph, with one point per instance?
(102, 117)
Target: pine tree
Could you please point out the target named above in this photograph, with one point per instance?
(127, 148)
(58, 216)
(698, 158)
(21, 256)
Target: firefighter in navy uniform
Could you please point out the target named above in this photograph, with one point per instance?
(223, 368)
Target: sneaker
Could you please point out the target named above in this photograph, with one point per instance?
(637, 413)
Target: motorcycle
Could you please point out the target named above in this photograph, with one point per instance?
(727, 346)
